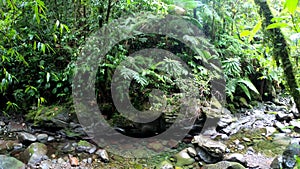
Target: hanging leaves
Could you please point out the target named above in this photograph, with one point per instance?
(291, 5)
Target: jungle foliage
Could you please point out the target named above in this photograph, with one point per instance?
(40, 41)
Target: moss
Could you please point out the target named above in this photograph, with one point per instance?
(45, 113)
(83, 143)
(258, 142)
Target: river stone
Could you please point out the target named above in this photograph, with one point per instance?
(183, 158)
(281, 127)
(26, 137)
(103, 155)
(215, 148)
(34, 154)
(7, 162)
(42, 138)
(235, 157)
(85, 146)
(206, 157)
(281, 116)
(224, 165)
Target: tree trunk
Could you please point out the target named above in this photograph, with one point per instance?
(281, 50)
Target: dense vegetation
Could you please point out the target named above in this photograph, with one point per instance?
(41, 40)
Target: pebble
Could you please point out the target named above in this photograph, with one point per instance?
(42, 138)
(74, 161)
(23, 136)
(103, 155)
(2, 124)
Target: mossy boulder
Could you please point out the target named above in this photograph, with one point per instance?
(10, 162)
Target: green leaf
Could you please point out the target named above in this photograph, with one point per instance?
(255, 30)
(245, 33)
(291, 5)
(277, 25)
(245, 90)
(128, 2)
(249, 84)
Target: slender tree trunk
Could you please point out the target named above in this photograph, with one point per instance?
(281, 50)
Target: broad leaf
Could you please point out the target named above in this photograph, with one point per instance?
(277, 25)
(291, 5)
(249, 84)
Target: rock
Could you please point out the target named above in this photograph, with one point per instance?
(224, 165)
(84, 146)
(277, 163)
(43, 138)
(214, 148)
(50, 138)
(103, 155)
(15, 127)
(270, 131)
(34, 154)
(2, 124)
(46, 164)
(246, 139)
(74, 161)
(281, 127)
(235, 157)
(206, 157)
(257, 160)
(288, 156)
(7, 162)
(225, 121)
(26, 137)
(281, 116)
(183, 158)
(165, 165)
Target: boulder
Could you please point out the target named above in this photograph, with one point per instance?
(214, 148)
(34, 154)
(10, 163)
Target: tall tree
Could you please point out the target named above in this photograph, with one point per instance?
(281, 50)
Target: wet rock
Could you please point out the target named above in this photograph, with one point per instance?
(42, 138)
(66, 147)
(183, 158)
(34, 154)
(15, 127)
(214, 148)
(206, 157)
(84, 146)
(103, 155)
(165, 165)
(281, 127)
(235, 157)
(225, 121)
(281, 116)
(224, 165)
(26, 137)
(50, 138)
(7, 162)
